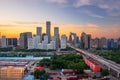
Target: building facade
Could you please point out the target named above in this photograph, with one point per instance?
(24, 39)
(63, 42)
(3, 42)
(12, 73)
(56, 36)
(48, 30)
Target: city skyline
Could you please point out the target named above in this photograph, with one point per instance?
(98, 18)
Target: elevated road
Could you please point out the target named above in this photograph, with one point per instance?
(113, 67)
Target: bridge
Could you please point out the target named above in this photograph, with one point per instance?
(113, 67)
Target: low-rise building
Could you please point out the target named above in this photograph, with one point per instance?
(10, 72)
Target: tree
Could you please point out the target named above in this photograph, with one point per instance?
(104, 72)
(38, 73)
(46, 76)
(53, 67)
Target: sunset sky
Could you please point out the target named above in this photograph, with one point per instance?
(101, 18)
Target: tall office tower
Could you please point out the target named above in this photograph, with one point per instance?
(63, 42)
(43, 36)
(86, 40)
(12, 42)
(45, 42)
(36, 40)
(95, 43)
(30, 43)
(39, 32)
(112, 44)
(118, 42)
(45, 39)
(56, 35)
(83, 40)
(48, 30)
(24, 39)
(3, 42)
(0, 43)
(89, 41)
(103, 42)
(70, 38)
(73, 38)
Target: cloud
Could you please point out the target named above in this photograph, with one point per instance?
(114, 13)
(92, 14)
(80, 3)
(103, 4)
(58, 1)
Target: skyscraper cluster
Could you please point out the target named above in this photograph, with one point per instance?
(38, 41)
(86, 42)
(43, 41)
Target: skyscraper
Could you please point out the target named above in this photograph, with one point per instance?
(103, 42)
(85, 40)
(63, 42)
(3, 42)
(39, 32)
(48, 28)
(24, 39)
(56, 35)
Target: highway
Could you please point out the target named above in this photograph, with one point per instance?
(101, 60)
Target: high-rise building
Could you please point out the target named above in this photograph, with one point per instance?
(112, 44)
(39, 32)
(45, 39)
(73, 38)
(56, 35)
(24, 39)
(89, 40)
(12, 42)
(118, 42)
(85, 40)
(48, 30)
(96, 43)
(103, 42)
(0, 43)
(3, 42)
(30, 43)
(63, 42)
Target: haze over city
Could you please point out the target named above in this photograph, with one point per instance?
(100, 18)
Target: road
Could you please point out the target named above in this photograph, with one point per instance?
(108, 63)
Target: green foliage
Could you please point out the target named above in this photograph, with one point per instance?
(113, 55)
(104, 72)
(46, 76)
(45, 62)
(53, 67)
(68, 61)
(6, 49)
(32, 50)
(67, 49)
(38, 73)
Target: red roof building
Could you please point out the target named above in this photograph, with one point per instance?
(39, 67)
(95, 67)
